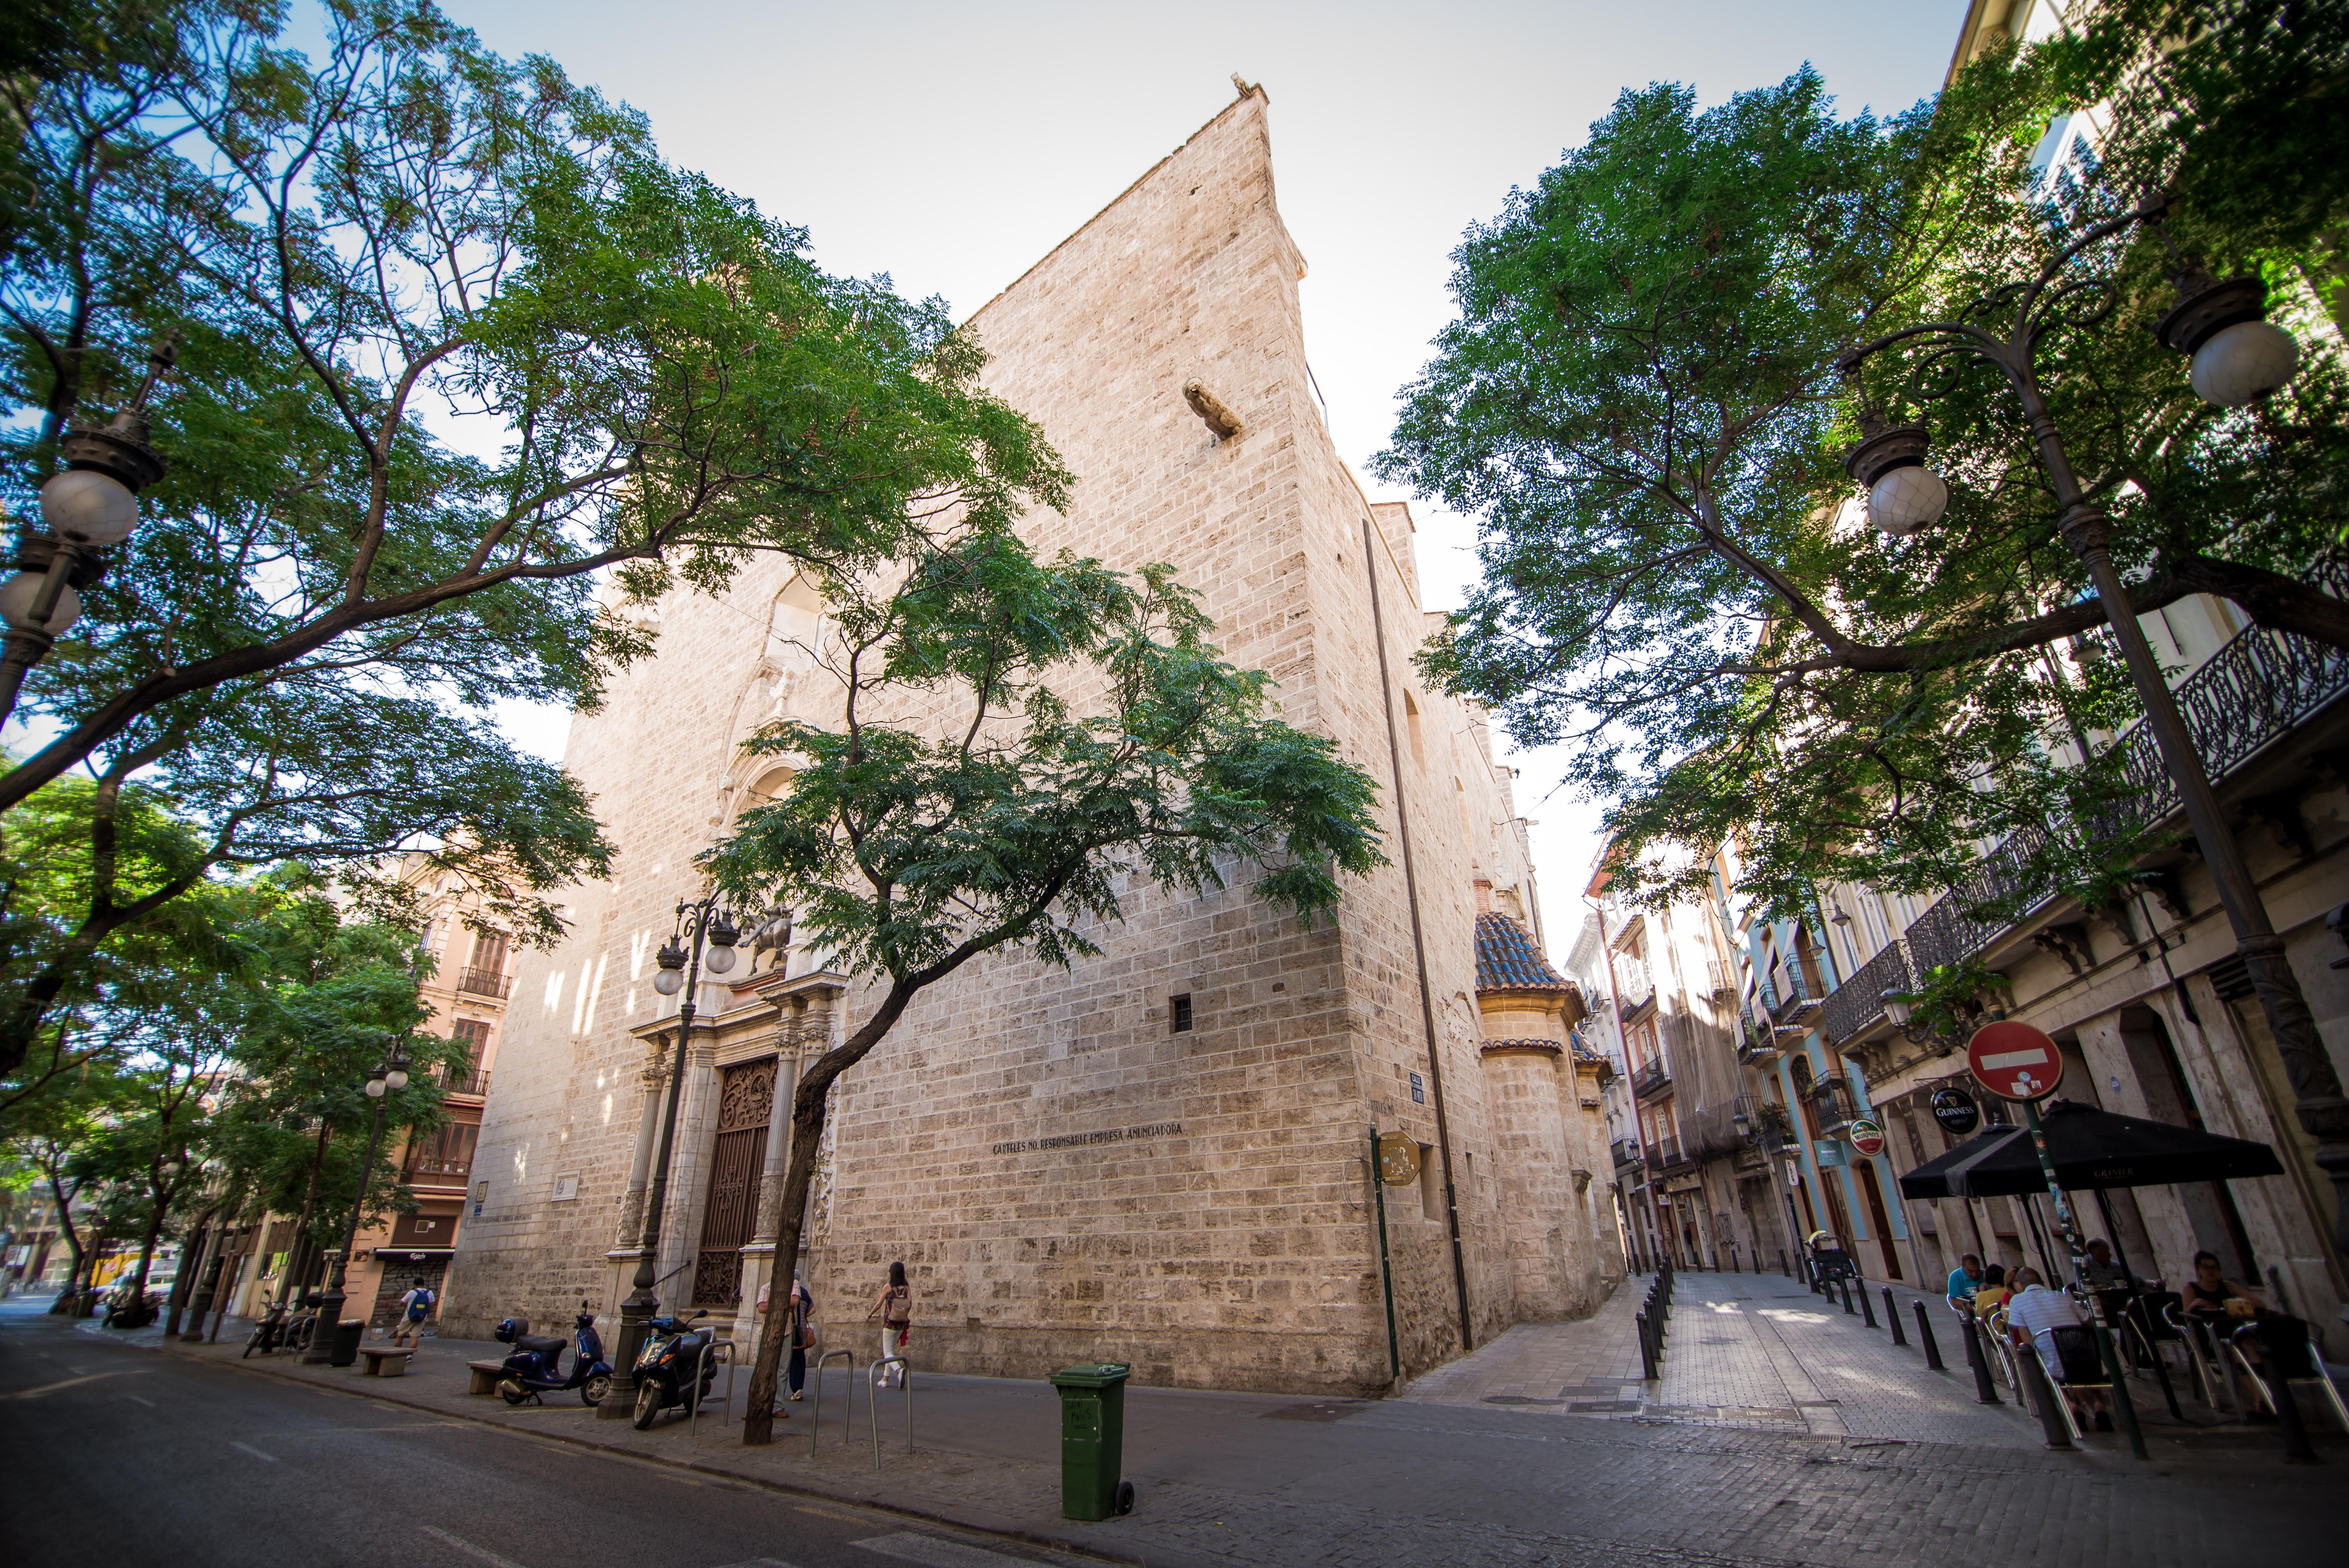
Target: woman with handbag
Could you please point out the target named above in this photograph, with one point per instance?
(803, 1333)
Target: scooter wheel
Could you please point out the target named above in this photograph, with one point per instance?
(648, 1405)
(512, 1392)
(592, 1392)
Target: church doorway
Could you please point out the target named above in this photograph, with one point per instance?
(746, 1097)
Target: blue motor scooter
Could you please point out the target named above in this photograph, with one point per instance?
(536, 1365)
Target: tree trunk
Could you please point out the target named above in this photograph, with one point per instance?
(297, 1258)
(73, 1240)
(192, 1262)
(810, 1106)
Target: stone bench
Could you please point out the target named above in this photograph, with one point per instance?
(485, 1377)
(385, 1361)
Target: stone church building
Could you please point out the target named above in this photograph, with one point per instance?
(1162, 1155)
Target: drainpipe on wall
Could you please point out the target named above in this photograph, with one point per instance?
(1419, 944)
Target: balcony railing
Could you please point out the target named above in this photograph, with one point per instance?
(1672, 1157)
(2249, 694)
(1858, 1002)
(484, 983)
(1623, 1153)
(473, 1080)
(1653, 1078)
(1785, 1004)
(439, 1172)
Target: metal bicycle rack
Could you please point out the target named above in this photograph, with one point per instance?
(873, 1401)
(815, 1415)
(693, 1411)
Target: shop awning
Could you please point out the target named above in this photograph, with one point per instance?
(2092, 1148)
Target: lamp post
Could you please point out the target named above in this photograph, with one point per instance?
(389, 1074)
(680, 963)
(93, 503)
(2238, 356)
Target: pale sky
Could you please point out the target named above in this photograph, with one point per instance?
(951, 146)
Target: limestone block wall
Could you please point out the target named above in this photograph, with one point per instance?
(1066, 1176)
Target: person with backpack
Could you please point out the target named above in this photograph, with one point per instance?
(896, 1310)
(414, 1308)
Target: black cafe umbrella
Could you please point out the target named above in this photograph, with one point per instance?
(2092, 1148)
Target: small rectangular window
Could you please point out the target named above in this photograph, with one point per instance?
(1179, 1010)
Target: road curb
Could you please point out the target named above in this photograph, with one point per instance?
(983, 1524)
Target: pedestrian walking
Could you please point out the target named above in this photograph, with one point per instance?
(896, 1310)
(414, 1308)
(803, 1333)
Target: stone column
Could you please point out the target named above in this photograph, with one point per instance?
(759, 1256)
(1522, 1099)
(627, 1242)
(688, 1177)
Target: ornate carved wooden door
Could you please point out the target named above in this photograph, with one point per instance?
(746, 1095)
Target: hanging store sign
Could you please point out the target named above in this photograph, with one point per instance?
(1955, 1109)
(2015, 1061)
(1398, 1159)
(1865, 1137)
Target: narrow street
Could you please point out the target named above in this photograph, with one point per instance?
(1779, 1432)
(143, 1458)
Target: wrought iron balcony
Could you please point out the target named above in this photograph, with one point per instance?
(484, 983)
(1623, 1153)
(1858, 1002)
(1832, 1098)
(1652, 1078)
(473, 1080)
(2249, 694)
(1785, 1006)
(1673, 1159)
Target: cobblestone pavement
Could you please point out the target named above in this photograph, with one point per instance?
(1444, 1477)
(1757, 1352)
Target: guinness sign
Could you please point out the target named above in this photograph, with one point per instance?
(1955, 1109)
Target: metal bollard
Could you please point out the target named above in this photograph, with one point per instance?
(815, 1415)
(1646, 1348)
(1892, 1318)
(1782, 1267)
(1925, 1338)
(1977, 1360)
(2051, 1428)
(1867, 1310)
(1846, 1296)
(873, 1401)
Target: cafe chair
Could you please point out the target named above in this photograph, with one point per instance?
(2083, 1369)
(2293, 1347)
(2004, 1351)
(2201, 1354)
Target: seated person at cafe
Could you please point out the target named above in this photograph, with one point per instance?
(1965, 1280)
(2212, 1299)
(1993, 1292)
(2032, 1319)
(2102, 1272)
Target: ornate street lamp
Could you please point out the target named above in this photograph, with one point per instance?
(390, 1074)
(679, 969)
(2238, 356)
(92, 504)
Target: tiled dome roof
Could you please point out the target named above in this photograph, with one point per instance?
(1507, 960)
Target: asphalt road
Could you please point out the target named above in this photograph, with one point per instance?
(114, 1456)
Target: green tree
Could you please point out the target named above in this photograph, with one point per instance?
(339, 995)
(1015, 738)
(1640, 400)
(464, 369)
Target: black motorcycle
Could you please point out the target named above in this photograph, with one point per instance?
(275, 1331)
(665, 1366)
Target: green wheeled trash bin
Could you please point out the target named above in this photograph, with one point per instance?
(346, 1346)
(1093, 1440)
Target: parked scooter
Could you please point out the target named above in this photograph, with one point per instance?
(536, 1365)
(665, 1368)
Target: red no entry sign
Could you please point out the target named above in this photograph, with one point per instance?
(2015, 1061)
